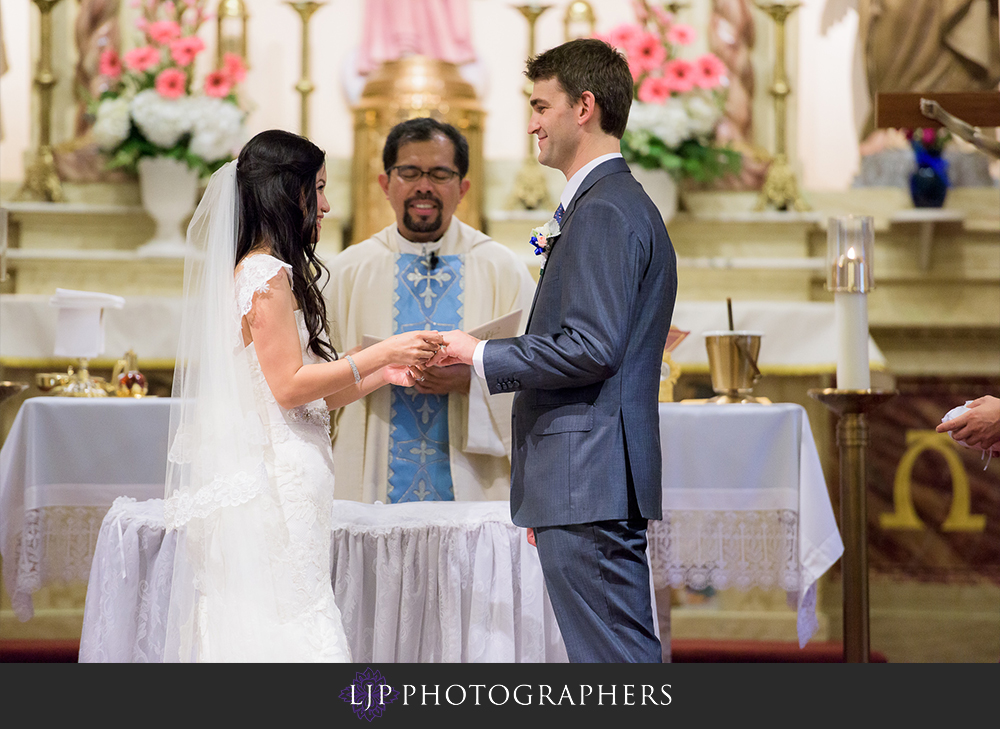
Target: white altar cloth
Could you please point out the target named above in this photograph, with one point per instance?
(416, 583)
(63, 463)
(799, 336)
(745, 503)
(441, 582)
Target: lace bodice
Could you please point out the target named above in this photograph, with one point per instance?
(254, 277)
(277, 519)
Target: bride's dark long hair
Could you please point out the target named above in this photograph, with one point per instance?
(276, 177)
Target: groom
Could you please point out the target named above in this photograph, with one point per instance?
(585, 467)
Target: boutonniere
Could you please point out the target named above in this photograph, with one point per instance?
(542, 238)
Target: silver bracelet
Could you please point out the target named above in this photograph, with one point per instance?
(354, 368)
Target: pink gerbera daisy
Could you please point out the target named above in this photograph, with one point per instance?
(163, 31)
(647, 51)
(217, 84)
(142, 59)
(681, 35)
(170, 83)
(654, 90)
(709, 71)
(624, 35)
(183, 50)
(110, 64)
(679, 74)
(233, 66)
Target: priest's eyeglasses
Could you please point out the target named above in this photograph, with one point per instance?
(410, 173)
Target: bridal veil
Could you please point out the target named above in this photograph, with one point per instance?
(219, 496)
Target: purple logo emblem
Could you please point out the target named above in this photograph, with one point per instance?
(369, 694)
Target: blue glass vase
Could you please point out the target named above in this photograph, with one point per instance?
(929, 182)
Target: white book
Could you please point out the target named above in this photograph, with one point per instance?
(500, 328)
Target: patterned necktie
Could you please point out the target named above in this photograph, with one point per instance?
(559, 213)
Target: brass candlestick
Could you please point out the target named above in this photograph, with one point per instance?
(231, 30)
(579, 20)
(852, 441)
(41, 182)
(305, 85)
(780, 189)
(3, 245)
(530, 191)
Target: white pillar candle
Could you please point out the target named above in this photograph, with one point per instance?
(850, 244)
(851, 311)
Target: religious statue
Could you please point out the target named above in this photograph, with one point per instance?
(731, 37)
(928, 45)
(434, 28)
(962, 129)
(95, 29)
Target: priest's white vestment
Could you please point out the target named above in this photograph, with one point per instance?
(361, 302)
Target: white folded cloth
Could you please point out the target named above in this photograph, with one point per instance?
(954, 413)
(86, 300)
(80, 321)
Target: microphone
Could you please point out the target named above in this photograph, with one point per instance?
(434, 260)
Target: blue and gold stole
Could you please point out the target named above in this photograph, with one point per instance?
(428, 295)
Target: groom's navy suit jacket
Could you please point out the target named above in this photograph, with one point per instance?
(585, 429)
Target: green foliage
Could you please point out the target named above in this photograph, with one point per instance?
(695, 160)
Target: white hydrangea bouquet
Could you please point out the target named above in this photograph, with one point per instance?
(678, 102)
(152, 108)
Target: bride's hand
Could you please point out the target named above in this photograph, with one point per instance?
(413, 348)
(402, 375)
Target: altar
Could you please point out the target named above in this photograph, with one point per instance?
(745, 505)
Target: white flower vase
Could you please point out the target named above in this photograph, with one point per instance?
(661, 188)
(169, 191)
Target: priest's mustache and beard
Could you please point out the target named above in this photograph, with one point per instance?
(420, 225)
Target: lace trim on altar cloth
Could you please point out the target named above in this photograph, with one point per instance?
(56, 545)
(230, 490)
(741, 549)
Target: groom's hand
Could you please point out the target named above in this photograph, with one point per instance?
(458, 349)
(531, 537)
(442, 380)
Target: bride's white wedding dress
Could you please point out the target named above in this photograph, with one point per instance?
(265, 593)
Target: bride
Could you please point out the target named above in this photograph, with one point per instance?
(250, 473)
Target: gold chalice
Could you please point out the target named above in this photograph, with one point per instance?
(51, 382)
(72, 383)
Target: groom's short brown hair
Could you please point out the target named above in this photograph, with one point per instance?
(588, 64)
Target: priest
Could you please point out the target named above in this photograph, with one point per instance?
(445, 439)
